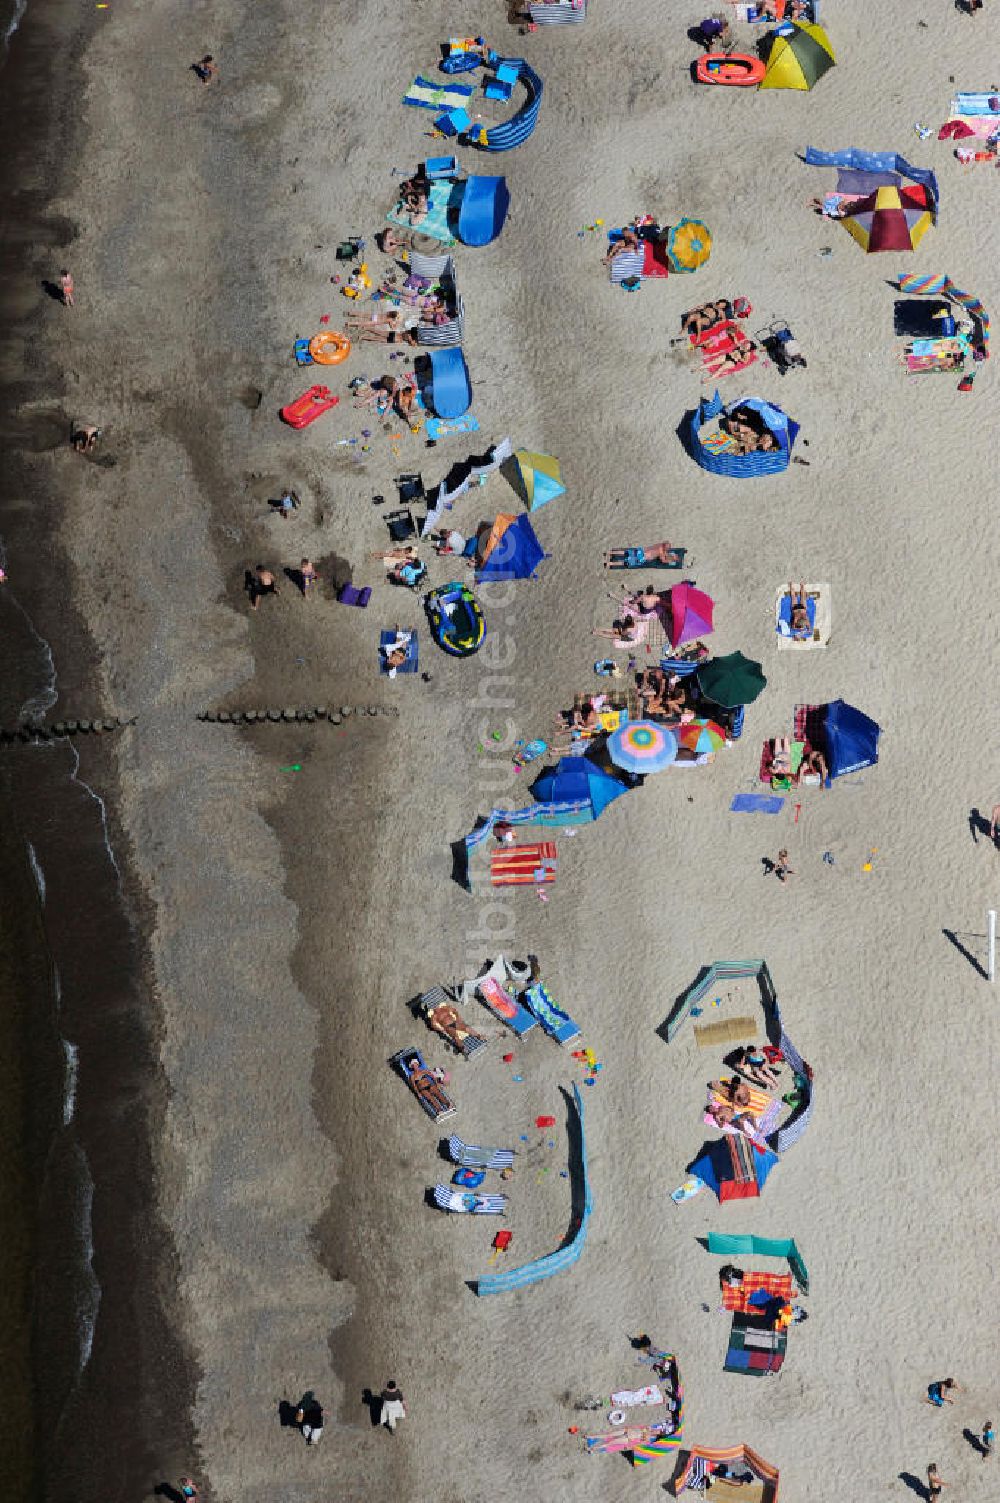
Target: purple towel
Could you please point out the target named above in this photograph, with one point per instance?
(853, 181)
(757, 803)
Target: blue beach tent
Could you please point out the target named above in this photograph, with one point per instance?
(481, 214)
(575, 779)
(512, 550)
(851, 739)
(740, 466)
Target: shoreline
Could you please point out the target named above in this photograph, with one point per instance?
(98, 1286)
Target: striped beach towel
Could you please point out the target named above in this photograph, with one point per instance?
(558, 12)
(521, 865)
(430, 94)
(760, 1102)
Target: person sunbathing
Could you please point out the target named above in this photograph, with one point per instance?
(629, 242)
(624, 633)
(735, 1092)
(447, 1021)
(800, 622)
(635, 558)
(700, 320)
(426, 1086)
(754, 1064)
(814, 763)
(781, 760)
(387, 327)
(735, 359)
(643, 606)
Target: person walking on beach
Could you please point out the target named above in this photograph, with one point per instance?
(988, 1440)
(782, 869)
(188, 1489)
(309, 1417)
(393, 1406)
(935, 1482)
(206, 68)
(307, 577)
(66, 288)
(262, 582)
(994, 822)
(84, 437)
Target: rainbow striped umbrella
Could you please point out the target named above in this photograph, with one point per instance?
(700, 736)
(642, 746)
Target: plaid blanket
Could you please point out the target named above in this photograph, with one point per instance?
(760, 1102)
(736, 1297)
(443, 198)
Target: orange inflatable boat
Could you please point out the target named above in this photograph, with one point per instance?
(738, 69)
(329, 347)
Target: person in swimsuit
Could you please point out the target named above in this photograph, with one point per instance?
(939, 1394)
(206, 68)
(307, 577)
(800, 622)
(935, 1482)
(388, 328)
(635, 558)
(643, 605)
(66, 287)
(262, 582)
(624, 633)
(84, 437)
(426, 1085)
(629, 242)
(988, 1440)
(754, 1063)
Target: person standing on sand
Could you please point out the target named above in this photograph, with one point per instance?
(989, 1439)
(206, 68)
(263, 583)
(994, 822)
(188, 1489)
(782, 869)
(309, 1417)
(67, 288)
(393, 1406)
(307, 577)
(935, 1482)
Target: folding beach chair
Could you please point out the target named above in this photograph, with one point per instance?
(435, 1006)
(401, 524)
(448, 1198)
(557, 1024)
(470, 1155)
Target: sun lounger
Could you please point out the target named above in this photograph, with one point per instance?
(523, 865)
(503, 1005)
(557, 1024)
(429, 1092)
(468, 1201)
(443, 1016)
(471, 1156)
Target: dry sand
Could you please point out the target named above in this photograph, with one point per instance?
(295, 914)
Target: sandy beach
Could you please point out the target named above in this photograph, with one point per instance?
(245, 916)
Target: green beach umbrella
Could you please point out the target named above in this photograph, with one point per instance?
(731, 680)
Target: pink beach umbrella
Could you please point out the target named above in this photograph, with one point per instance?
(690, 614)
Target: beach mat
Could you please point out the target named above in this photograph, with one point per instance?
(820, 616)
(726, 1031)
(757, 803)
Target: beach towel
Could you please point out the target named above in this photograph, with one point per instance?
(736, 1297)
(783, 625)
(631, 1398)
(757, 803)
(442, 201)
(853, 183)
(719, 443)
(436, 428)
(557, 1024)
(819, 606)
(691, 1186)
(628, 264)
(431, 94)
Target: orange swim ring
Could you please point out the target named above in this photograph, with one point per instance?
(738, 69)
(329, 347)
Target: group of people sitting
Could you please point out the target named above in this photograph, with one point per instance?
(388, 392)
(730, 1100)
(747, 429)
(811, 771)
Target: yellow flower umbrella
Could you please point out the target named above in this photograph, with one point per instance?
(689, 245)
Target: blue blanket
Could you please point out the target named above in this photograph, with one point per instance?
(757, 803)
